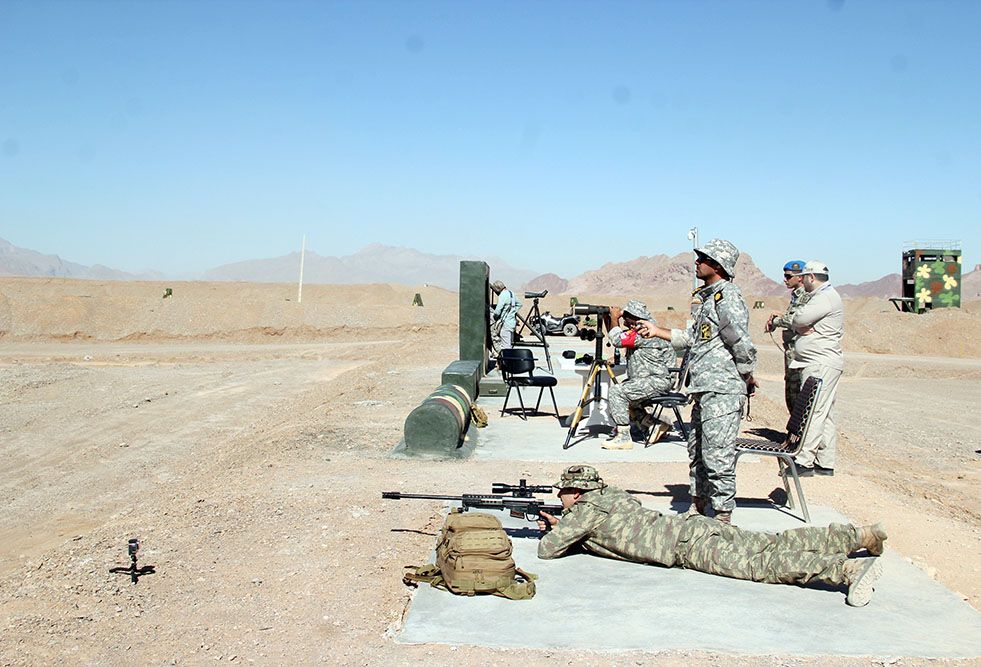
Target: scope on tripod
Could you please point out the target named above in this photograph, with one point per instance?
(586, 309)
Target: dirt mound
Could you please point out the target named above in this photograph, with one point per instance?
(34, 308)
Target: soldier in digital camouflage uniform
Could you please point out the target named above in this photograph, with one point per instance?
(721, 359)
(791, 376)
(607, 521)
(648, 360)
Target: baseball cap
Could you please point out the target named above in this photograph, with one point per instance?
(815, 266)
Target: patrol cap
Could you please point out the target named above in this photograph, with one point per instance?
(498, 286)
(721, 252)
(815, 266)
(794, 266)
(638, 309)
(582, 477)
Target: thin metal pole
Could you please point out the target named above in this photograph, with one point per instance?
(303, 250)
(693, 236)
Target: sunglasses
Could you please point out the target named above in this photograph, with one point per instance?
(788, 276)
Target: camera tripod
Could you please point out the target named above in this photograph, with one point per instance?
(591, 385)
(534, 315)
(133, 570)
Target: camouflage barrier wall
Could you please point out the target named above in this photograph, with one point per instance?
(932, 278)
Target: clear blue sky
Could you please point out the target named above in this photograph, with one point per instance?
(178, 136)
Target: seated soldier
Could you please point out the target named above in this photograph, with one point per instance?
(648, 360)
(609, 522)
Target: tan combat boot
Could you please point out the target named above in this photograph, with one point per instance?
(696, 508)
(659, 429)
(620, 440)
(861, 575)
(871, 538)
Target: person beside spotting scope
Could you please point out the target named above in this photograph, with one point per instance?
(506, 313)
(648, 376)
(721, 359)
(607, 521)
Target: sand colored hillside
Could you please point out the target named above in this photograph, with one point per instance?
(90, 310)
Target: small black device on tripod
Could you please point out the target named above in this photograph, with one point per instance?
(133, 570)
(534, 315)
(599, 365)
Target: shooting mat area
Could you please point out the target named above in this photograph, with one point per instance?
(590, 603)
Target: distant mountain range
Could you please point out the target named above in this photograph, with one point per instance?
(375, 263)
(664, 274)
(16, 261)
(379, 263)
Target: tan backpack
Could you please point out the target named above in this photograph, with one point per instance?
(473, 555)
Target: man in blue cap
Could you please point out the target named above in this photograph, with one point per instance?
(791, 376)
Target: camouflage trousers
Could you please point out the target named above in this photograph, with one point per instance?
(623, 396)
(791, 380)
(712, 448)
(797, 556)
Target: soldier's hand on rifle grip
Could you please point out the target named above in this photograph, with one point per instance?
(546, 522)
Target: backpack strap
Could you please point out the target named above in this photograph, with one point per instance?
(426, 574)
(519, 590)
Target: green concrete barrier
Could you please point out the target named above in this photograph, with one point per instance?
(465, 373)
(440, 422)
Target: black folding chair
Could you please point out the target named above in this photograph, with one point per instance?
(785, 450)
(675, 400)
(518, 370)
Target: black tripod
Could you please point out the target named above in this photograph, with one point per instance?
(534, 315)
(133, 570)
(600, 365)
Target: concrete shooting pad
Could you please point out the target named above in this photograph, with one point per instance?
(540, 437)
(592, 603)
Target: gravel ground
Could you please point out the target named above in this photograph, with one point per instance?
(246, 445)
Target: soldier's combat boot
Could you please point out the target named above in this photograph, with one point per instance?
(696, 508)
(620, 440)
(871, 538)
(861, 575)
(659, 429)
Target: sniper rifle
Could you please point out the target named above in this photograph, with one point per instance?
(520, 503)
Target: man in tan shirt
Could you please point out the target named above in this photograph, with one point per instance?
(820, 323)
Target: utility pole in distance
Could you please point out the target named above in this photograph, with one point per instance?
(303, 250)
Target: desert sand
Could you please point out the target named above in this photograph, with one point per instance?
(245, 439)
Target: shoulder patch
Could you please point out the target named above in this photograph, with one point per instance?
(718, 296)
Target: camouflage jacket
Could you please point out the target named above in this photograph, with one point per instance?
(797, 299)
(720, 350)
(610, 522)
(646, 357)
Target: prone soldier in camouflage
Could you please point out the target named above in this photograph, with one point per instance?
(609, 522)
(721, 359)
(791, 376)
(648, 360)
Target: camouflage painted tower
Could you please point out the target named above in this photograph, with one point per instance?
(932, 274)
